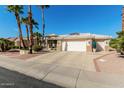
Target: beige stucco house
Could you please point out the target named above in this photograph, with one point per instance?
(81, 42)
(17, 41)
(78, 42)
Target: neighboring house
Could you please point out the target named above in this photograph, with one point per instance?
(17, 41)
(78, 42)
(12, 39)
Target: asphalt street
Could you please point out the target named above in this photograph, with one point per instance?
(11, 79)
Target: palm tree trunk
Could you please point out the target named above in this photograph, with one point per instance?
(43, 24)
(31, 32)
(37, 41)
(27, 32)
(20, 31)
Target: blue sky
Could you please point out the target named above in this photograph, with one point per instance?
(67, 19)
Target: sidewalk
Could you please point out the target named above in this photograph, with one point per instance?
(63, 74)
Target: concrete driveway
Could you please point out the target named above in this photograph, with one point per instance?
(67, 69)
(68, 59)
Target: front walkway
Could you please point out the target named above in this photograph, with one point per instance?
(67, 69)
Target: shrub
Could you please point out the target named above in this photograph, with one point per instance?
(24, 48)
(37, 48)
(8, 48)
(118, 43)
(5, 44)
(15, 47)
(113, 43)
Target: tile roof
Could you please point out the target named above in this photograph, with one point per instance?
(81, 36)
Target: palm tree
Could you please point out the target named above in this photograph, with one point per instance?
(38, 37)
(26, 22)
(35, 24)
(31, 29)
(17, 10)
(43, 20)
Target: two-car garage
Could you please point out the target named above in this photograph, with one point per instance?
(74, 46)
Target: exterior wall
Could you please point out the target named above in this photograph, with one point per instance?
(17, 43)
(106, 48)
(102, 45)
(89, 46)
(107, 45)
(59, 45)
(64, 46)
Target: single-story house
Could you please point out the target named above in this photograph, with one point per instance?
(12, 39)
(82, 42)
(17, 41)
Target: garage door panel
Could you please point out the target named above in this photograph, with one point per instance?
(74, 46)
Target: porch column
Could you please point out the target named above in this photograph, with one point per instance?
(59, 45)
(48, 45)
(107, 45)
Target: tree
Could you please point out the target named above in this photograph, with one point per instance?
(114, 43)
(35, 24)
(43, 21)
(26, 22)
(17, 10)
(2, 44)
(118, 43)
(5, 44)
(120, 34)
(38, 37)
(31, 28)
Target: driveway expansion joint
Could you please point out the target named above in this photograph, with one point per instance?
(49, 72)
(77, 78)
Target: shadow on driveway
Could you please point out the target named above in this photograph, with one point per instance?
(12, 79)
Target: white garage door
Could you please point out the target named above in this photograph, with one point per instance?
(74, 46)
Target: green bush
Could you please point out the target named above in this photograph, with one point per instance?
(24, 48)
(113, 43)
(37, 48)
(8, 48)
(15, 47)
(5, 44)
(118, 43)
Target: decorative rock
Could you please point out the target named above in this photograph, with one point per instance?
(22, 52)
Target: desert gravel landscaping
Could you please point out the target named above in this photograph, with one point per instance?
(17, 55)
